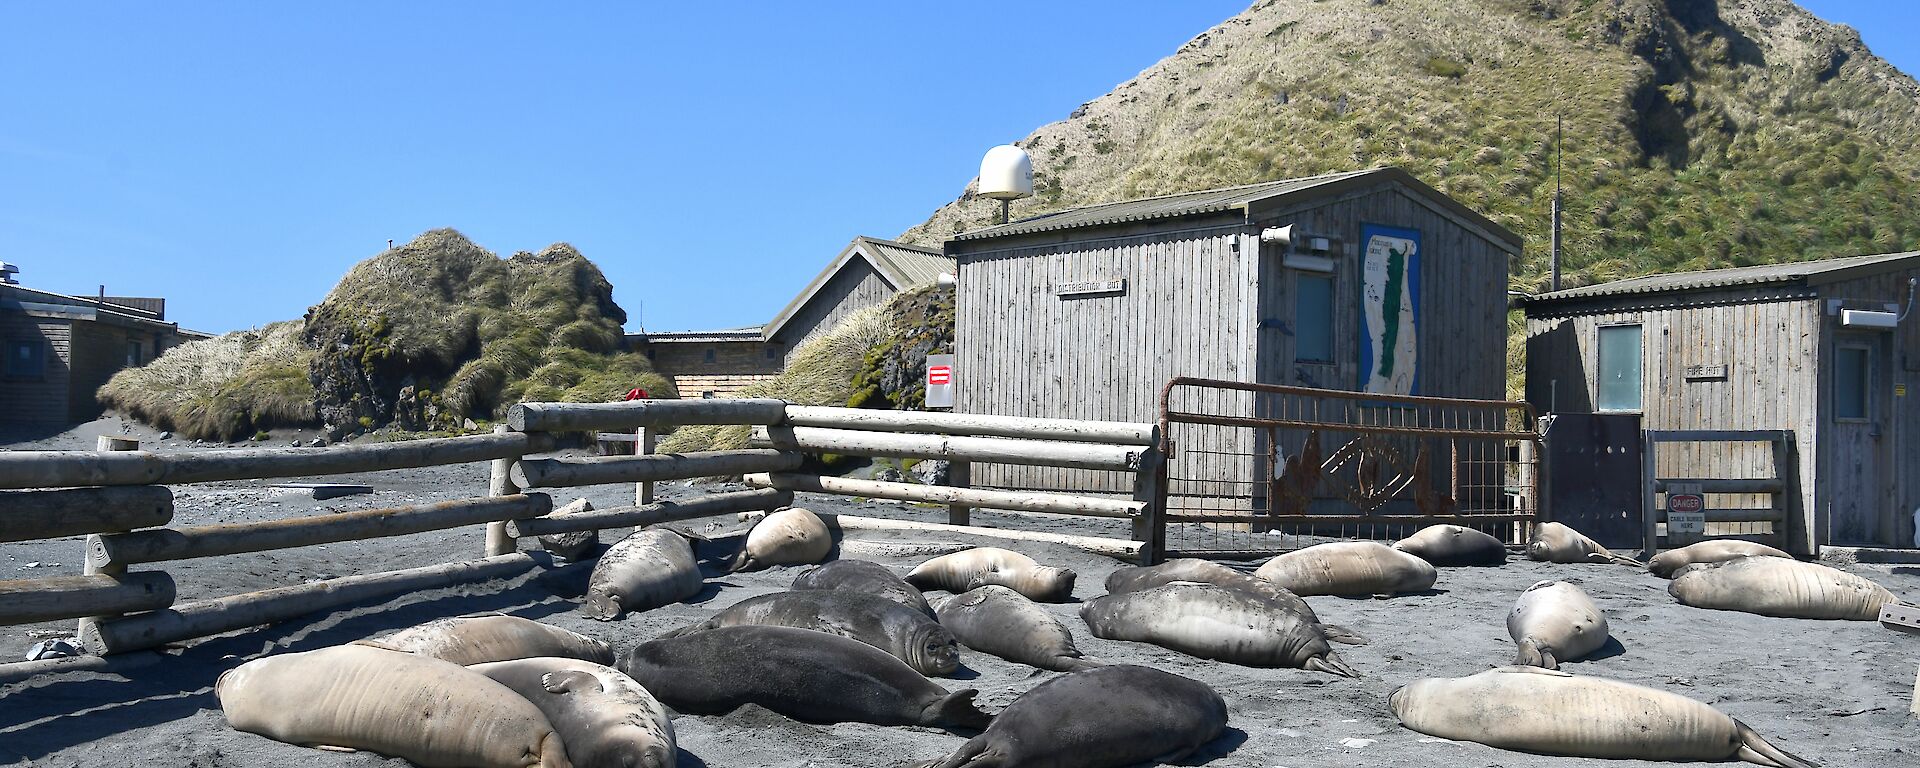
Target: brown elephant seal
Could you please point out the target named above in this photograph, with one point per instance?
(646, 570)
(603, 717)
(903, 632)
(1553, 622)
(863, 576)
(492, 637)
(1193, 569)
(1102, 718)
(791, 536)
(1453, 545)
(1666, 564)
(1349, 568)
(1556, 543)
(1530, 709)
(430, 712)
(962, 571)
(997, 620)
(1782, 587)
(1215, 623)
(809, 676)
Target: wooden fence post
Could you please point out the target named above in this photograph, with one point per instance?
(1150, 488)
(1648, 509)
(643, 445)
(90, 566)
(500, 483)
(959, 475)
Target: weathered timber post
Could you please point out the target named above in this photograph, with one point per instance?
(91, 566)
(1150, 489)
(643, 445)
(959, 475)
(1529, 498)
(500, 483)
(110, 443)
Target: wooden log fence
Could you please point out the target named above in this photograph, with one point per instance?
(27, 601)
(1023, 501)
(30, 515)
(1120, 548)
(60, 469)
(933, 422)
(650, 514)
(1000, 450)
(600, 470)
(581, 417)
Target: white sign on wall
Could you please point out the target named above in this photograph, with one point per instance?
(939, 381)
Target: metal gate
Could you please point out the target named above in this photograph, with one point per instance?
(1257, 469)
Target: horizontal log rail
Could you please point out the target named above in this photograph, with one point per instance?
(27, 601)
(14, 672)
(600, 470)
(29, 515)
(633, 414)
(203, 618)
(1747, 515)
(1120, 548)
(1725, 485)
(1463, 520)
(122, 549)
(58, 469)
(1022, 501)
(935, 422)
(650, 514)
(993, 450)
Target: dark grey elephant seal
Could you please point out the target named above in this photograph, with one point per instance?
(1453, 545)
(1102, 718)
(1780, 586)
(903, 632)
(1216, 623)
(997, 620)
(1556, 543)
(962, 571)
(863, 576)
(603, 717)
(809, 676)
(1193, 569)
(1666, 564)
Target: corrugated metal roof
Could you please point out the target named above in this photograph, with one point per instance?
(1724, 278)
(909, 265)
(750, 333)
(1166, 206)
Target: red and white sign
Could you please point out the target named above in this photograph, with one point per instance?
(940, 381)
(939, 374)
(1685, 502)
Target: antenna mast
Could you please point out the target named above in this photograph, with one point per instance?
(1555, 258)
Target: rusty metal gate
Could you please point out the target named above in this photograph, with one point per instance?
(1256, 469)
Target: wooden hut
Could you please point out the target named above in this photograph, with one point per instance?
(709, 363)
(1826, 349)
(1088, 312)
(867, 273)
(59, 349)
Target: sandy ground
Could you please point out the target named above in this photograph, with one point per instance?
(1836, 692)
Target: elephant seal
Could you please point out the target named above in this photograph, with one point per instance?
(863, 576)
(1349, 568)
(646, 570)
(1666, 564)
(571, 546)
(1782, 587)
(962, 571)
(1530, 709)
(1553, 622)
(427, 711)
(1556, 543)
(1453, 545)
(1201, 571)
(1101, 718)
(603, 717)
(997, 620)
(902, 632)
(492, 637)
(792, 536)
(1215, 623)
(809, 676)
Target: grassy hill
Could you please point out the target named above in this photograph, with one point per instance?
(1697, 133)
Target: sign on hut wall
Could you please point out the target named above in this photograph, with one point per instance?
(939, 381)
(1116, 285)
(1389, 308)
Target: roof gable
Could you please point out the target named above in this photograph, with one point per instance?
(902, 266)
(1793, 272)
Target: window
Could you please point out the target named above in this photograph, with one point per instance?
(133, 354)
(1619, 368)
(1850, 382)
(772, 354)
(709, 355)
(26, 357)
(1313, 318)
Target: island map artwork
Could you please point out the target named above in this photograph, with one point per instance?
(1389, 310)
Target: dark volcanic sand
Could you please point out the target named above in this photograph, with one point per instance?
(1833, 691)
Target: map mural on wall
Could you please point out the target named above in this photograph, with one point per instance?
(1389, 308)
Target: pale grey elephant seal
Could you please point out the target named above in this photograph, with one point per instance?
(1530, 709)
(1553, 622)
(493, 637)
(791, 536)
(1556, 543)
(1102, 718)
(646, 570)
(1782, 587)
(809, 676)
(603, 717)
(997, 620)
(1349, 568)
(1667, 563)
(572, 545)
(863, 576)
(1199, 571)
(430, 712)
(1215, 623)
(1453, 545)
(962, 571)
(903, 632)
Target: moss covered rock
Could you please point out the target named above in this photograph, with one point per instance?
(892, 373)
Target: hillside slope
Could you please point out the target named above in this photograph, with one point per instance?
(1698, 133)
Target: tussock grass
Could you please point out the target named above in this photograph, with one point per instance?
(221, 388)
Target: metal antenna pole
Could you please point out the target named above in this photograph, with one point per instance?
(1003, 210)
(1557, 150)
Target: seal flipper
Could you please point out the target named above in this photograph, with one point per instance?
(956, 709)
(552, 754)
(742, 562)
(1331, 665)
(1078, 664)
(1340, 634)
(569, 681)
(1531, 654)
(976, 753)
(1755, 749)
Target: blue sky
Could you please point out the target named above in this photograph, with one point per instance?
(237, 158)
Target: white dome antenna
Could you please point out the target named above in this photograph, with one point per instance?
(1006, 174)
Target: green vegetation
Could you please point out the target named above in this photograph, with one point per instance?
(221, 388)
(892, 372)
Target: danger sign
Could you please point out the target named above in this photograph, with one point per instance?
(1684, 503)
(1686, 511)
(939, 374)
(939, 381)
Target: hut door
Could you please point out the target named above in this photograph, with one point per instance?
(1859, 407)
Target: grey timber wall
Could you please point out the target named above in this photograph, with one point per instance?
(1870, 483)
(42, 398)
(855, 287)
